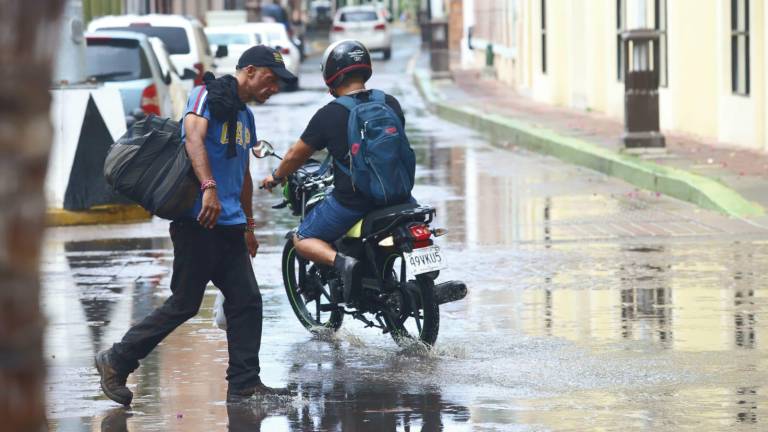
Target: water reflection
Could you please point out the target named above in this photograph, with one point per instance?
(674, 296)
(744, 321)
(362, 411)
(116, 420)
(336, 391)
(93, 290)
(104, 272)
(646, 299)
(339, 391)
(747, 401)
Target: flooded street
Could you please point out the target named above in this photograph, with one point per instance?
(591, 306)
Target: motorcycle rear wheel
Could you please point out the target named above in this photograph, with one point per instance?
(307, 311)
(406, 325)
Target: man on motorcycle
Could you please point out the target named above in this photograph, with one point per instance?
(346, 66)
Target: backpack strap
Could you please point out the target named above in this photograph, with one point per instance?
(347, 102)
(378, 96)
(324, 166)
(342, 168)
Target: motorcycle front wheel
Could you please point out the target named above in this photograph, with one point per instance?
(415, 313)
(302, 276)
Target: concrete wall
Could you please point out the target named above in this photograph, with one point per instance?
(695, 81)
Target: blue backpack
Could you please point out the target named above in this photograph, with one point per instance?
(381, 161)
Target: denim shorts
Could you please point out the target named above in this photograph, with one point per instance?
(329, 221)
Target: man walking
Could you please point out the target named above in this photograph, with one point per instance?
(213, 241)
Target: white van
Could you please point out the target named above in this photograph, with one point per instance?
(238, 38)
(183, 37)
(178, 88)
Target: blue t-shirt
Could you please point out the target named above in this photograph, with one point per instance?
(228, 173)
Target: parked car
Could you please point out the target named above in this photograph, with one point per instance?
(274, 35)
(126, 61)
(320, 14)
(366, 24)
(178, 88)
(183, 37)
(236, 39)
(274, 12)
(243, 36)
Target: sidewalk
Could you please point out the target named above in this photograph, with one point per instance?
(730, 180)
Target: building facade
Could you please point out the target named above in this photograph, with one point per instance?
(712, 58)
(195, 8)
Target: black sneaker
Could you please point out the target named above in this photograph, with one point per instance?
(112, 382)
(259, 389)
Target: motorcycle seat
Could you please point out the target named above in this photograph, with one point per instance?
(379, 219)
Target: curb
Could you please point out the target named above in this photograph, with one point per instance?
(106, 214)
(702, 191)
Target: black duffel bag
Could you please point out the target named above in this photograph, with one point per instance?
(150, 166)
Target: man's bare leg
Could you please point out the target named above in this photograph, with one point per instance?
(315, 250)
(320, 252)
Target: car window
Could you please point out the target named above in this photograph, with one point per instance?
(273, 37)
(175, 38)
(358, 16)
(230, 39)
(110, 59)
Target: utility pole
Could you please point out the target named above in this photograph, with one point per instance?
(27, 45)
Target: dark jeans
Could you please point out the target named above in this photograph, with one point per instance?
(202, 255)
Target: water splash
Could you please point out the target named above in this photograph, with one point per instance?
(342, 335)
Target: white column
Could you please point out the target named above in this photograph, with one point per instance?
(467, 57)
(70, 61)
(438, 8)
(637, 14)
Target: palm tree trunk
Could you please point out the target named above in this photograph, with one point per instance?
(29, 33)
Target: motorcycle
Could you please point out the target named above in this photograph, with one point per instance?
(395, 288)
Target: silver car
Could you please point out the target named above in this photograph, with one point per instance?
(366, 24)
(126, 61)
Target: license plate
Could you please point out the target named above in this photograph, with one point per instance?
(424, 260)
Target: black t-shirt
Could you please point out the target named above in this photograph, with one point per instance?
(328, 129)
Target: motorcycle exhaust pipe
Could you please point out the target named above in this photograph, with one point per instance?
(450, 291)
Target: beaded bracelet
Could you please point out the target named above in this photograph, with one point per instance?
(250, 224)
(208, 184)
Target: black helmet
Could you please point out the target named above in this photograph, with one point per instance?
(343, 57)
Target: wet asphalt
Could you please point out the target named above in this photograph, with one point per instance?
(592, 306)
